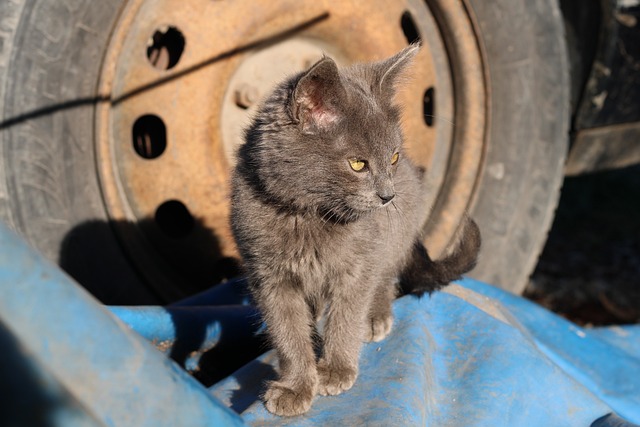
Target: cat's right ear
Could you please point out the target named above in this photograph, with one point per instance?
(390, 70)
(317, 97)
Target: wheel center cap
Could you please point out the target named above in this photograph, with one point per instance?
(256, 77)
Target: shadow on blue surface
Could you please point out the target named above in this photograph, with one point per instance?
(471, 355)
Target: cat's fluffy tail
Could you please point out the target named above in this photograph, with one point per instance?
(422, 274)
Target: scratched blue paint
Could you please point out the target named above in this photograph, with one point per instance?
(472, 355)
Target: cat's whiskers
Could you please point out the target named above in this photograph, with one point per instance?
(340, 215)
(441, 118)
(404, 120)
(389, 226)
(337, 213)
(326, 217)
(403, 218)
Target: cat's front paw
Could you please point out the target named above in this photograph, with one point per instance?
(335, 379)
(285, 400)
(378, 328)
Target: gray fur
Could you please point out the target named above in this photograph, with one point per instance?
(319, 239)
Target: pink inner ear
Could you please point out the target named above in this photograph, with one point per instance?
(315, 109)
(323, 117)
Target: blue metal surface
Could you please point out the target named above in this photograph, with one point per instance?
(187, 333)
(457, 358)
(611, 372)
(115, 376)
(471, 355)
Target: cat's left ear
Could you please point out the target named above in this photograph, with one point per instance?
(318, 96)
(389, 71)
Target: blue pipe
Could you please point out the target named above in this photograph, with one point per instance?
(187, 333)
(117, 377)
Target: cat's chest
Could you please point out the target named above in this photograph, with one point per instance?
(318, 249)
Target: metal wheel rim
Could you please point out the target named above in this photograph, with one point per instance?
(193, 167)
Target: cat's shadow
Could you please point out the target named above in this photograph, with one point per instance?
(252, 381)
(140, 263)
(93, 254)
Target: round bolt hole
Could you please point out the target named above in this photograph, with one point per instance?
(149, 136)
(409, 27)
(174, 219)
(165, 48)
(428, 106)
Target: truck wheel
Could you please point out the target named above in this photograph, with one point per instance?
(119, 120)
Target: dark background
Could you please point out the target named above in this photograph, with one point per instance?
(589, 270)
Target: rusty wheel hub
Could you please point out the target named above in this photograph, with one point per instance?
(184, 78)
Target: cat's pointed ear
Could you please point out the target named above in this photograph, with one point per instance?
(389, 70)
(318, 96)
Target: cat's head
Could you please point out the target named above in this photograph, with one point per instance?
(329, 139)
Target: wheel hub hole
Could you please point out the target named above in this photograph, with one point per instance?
(165, 48)
(428, 106)
(149, 136)
(174, 219)
(409, 28)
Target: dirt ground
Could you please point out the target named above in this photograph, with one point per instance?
(589, 271)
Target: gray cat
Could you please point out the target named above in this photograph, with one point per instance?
(327, 213)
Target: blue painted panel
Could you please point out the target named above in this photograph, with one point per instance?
(117, 377)
(611, 372)
(187, 333)
(447, 362)
(471, 355)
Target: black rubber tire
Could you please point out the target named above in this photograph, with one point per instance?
(50, 59)
(527, 76)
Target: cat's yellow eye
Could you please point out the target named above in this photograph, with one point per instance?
(394, 158)
(357, 165)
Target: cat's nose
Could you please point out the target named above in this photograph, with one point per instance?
(386, 197)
